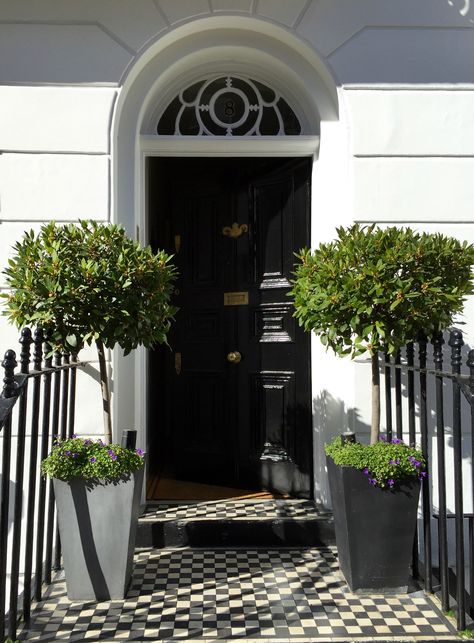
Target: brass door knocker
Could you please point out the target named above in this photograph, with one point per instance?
(235, 230)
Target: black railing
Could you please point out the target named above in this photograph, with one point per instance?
(35, 405)
(434, 408)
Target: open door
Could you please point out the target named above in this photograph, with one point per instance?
(230, 404)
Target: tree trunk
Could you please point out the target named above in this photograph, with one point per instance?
(104, 383)
(375, 428)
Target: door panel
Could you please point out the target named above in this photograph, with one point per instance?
(239, 222)
(272, 221)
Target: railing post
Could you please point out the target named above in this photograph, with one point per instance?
(65, 397)
(438, 342)
(470, 364)
(54, 431)
(72, 398)
(56, 411)
(425, 483)
(9, 363)
(398, 396)
(25, 341)
(42, 485)
(33, 473)
(388, 397)
(411, 395)
(456, 342)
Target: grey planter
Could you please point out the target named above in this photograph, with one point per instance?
(375, 530)
(98, 525)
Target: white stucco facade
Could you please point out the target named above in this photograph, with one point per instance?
(384, 90)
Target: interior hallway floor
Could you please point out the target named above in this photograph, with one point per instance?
(286, 594)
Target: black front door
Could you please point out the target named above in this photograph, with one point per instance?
(230, 403)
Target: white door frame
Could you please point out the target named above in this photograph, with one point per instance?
(192, 146)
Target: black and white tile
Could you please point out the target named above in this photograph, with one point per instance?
(216, 595)
(228, 510)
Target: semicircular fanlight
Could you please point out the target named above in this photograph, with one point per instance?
(228, 106)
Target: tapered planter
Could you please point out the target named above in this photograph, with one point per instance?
(98, 525)
(375, 530)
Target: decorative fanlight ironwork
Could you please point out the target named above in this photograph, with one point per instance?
(228, 106)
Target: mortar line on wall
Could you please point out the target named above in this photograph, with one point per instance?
(392, 28)
(161, 12)
(254, 7)
(73, 23)
(301, 15)
(413, 156)
(46, 84)
(118, 40)
(459, 87)
(344, 42)
(54, 152)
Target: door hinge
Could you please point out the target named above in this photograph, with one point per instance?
(177, 363)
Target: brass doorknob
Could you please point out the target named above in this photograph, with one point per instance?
(234, 357)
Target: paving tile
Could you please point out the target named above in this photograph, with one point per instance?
(261, 595)
(269, 509)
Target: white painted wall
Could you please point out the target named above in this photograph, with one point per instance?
(75, 79)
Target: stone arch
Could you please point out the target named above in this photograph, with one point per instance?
(214, 44)
(209, 45)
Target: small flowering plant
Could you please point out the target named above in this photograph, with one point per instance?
(90, 459)
(385, 463)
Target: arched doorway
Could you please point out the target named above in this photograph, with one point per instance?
(145, 157)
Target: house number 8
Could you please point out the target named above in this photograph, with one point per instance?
(229, 108)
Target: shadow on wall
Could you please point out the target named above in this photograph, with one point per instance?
(331, 418)
(92, 370)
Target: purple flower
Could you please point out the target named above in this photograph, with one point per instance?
(383, 438)
(67, 453)
(390, 482)
(394, 461)
(365, 471)
(397, 441)
(74, 435)
(422, 475)
(87, 442)
(112, 454)
(92, 459)
(140, 452)
(373, 482)
(74, 455)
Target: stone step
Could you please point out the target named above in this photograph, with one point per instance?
(254, 523)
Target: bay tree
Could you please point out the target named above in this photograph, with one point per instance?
(90, 283)
(374, 290)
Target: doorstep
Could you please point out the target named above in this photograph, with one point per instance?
(238, 523)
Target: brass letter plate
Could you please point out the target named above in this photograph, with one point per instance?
(236, 299)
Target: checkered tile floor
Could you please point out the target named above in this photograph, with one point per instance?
(227, 510)
(276, 595)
